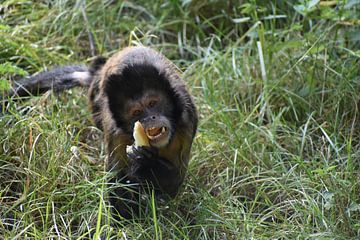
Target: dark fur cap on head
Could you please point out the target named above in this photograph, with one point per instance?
(134, 80)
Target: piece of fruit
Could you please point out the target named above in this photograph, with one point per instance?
(140, 136)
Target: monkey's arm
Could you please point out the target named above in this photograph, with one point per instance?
(147, 165)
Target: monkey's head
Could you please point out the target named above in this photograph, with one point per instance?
(143, 93)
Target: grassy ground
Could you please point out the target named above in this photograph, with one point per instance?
(277, 154)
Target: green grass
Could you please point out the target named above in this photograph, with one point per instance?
(277, 154)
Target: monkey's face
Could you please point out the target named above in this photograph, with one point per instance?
(142, 93)
(154, 110)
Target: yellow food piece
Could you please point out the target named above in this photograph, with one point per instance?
(140, 136)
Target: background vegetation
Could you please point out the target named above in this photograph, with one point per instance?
(277, 88)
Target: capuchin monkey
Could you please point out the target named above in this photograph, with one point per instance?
(136, 84)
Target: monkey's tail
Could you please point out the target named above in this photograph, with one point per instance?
(57, 79)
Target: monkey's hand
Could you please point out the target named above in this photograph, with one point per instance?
(143, 155)
(148, 166)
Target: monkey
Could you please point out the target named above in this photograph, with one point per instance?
(136, 84)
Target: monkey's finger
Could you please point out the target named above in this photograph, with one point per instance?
(134, 156)
(148, 152)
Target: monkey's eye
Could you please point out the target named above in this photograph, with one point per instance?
(136, 112)
(152, 103)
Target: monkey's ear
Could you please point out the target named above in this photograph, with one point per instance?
(97, 64)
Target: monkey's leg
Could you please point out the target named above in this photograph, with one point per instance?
(125, 197)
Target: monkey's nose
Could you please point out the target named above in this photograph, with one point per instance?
(150, 119)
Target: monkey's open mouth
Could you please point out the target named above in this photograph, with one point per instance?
(155, 132)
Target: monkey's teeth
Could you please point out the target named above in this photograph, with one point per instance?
(159, 132)
(154, 131)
